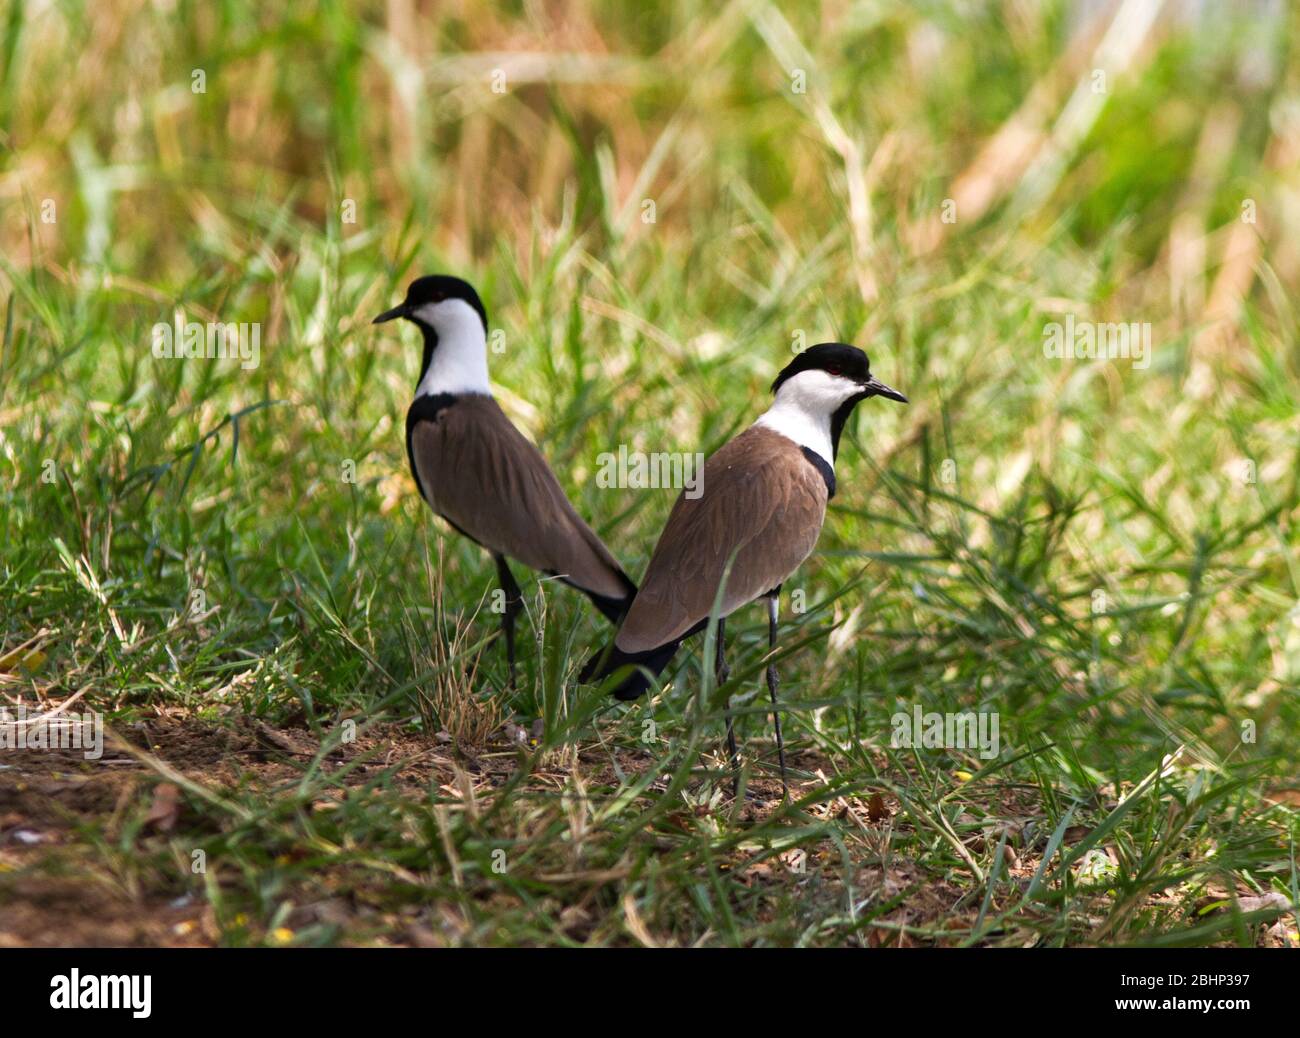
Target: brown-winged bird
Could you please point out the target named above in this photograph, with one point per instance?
(479, 473)
(761, 507)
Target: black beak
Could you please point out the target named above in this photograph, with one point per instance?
(389, 315)
(874, 387)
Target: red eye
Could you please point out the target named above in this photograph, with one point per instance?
(833, 371)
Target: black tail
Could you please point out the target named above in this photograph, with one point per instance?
(613, 609)
(611, 658)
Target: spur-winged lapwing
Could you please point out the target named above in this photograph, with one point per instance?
(479, 473)
(763, 501)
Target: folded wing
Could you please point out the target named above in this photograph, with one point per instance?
(484, 477)
(762, 499)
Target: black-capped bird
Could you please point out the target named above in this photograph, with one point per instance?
(763, 499)
(479, 473)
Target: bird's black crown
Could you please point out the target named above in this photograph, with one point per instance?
(835, 358)
(435, 288)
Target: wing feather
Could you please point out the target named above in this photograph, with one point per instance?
(762, 500)
(483, 476)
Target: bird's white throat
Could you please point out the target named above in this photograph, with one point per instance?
(803, 409)
(459, 364)
(804, 427)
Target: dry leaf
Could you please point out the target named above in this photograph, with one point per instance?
(1269, 900)
(166, 807)
(876, 809)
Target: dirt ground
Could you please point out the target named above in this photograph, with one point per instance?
(56, 807)
(62, 819)
(72, 832)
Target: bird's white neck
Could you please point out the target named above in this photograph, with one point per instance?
(807, 428)
(805, 407)
(459, 363)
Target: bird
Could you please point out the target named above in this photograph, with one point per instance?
(481, 474)
(761, 509)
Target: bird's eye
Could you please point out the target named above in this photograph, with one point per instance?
(835, 371)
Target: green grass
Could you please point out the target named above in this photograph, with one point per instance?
(1092, 565)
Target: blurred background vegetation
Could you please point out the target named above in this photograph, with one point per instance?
(659, 202)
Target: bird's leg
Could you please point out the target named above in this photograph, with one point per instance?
(514, 605)
(720, 673)
(773, 607)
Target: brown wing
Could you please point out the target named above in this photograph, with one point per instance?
(479, 473)
(762, 499)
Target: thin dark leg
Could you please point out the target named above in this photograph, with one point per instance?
(773, 607)
(514, 605)
(720, 673)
